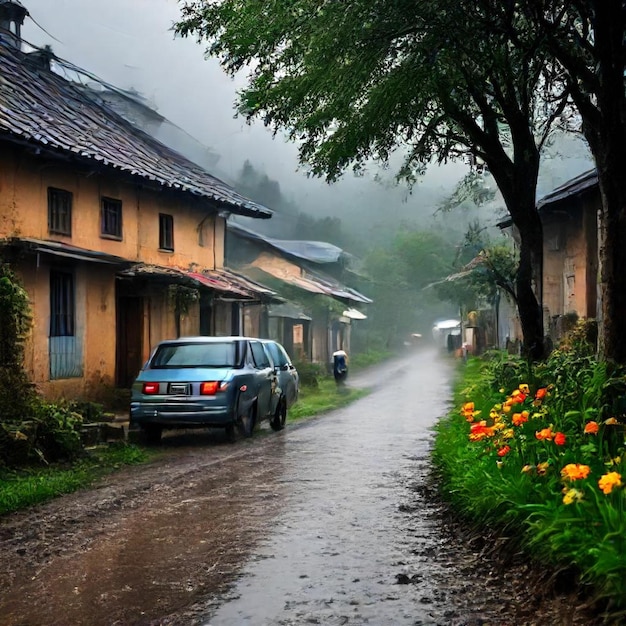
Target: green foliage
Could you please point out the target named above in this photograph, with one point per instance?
(399, 274)
(520, 476)
(368, 358)
(26, 487)
(31, 430)
(431, 80)
(310, 373)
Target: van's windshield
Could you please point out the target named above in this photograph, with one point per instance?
(171, 356)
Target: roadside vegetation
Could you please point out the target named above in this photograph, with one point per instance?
(538, 451)
(27, 486)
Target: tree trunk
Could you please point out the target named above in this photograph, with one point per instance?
(529, 273)
(607, 140)
(517, 182)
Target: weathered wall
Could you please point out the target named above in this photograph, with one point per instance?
(570, 258)
(24, 183)
(198, 244)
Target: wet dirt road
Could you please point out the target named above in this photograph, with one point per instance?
(327, 522)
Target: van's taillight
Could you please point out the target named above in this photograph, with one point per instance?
(150, 388)
(211, 388)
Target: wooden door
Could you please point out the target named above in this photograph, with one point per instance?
(129, 357)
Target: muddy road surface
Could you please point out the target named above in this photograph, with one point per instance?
(331, 521)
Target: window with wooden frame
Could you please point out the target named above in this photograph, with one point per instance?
(111, 218)
(166, 232)
(60, 211)
(62, 304)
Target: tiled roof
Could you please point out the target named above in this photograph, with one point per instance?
(45, 110)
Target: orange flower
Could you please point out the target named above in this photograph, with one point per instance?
(468, 412)
(519, 418)
(517, 397)
(609, 481)
(504, 450)
(559, 439)
(480, 430)
(575, 471)
(545, 434)
(591, 428)
(541, 393)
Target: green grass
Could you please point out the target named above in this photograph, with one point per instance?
(326, 397)
(25, 487)
(372, 357)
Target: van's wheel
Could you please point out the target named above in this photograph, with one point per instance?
(247, 422)
(280, 417)
(152, 434)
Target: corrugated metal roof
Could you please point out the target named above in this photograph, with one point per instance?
(315, 284)
(573, 187)
(221, 280)
(44, 109)
(312, 251)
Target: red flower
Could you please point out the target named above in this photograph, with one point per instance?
(504, 451)
(559, 439)
(541, 393)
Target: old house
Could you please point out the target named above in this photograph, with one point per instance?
(118, 239)
(316, 319)
(569, 215)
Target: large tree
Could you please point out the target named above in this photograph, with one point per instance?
(434, 80)
(587, 39)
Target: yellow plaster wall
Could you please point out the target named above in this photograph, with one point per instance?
(24, 182)
(198, 242)
(95, 285)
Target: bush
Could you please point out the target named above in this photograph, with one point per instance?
(30, 429)
(310, 373)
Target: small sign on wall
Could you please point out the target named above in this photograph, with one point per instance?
(298, 334)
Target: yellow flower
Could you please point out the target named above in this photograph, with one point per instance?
(509, 433)
(572, 495)
(524, 388)
(609, 481)
(527, 469)
(611, 421)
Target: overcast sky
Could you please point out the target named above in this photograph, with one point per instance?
(129, 44)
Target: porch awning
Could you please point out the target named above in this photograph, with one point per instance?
(353, 314)
(226, 283)
(57, 248)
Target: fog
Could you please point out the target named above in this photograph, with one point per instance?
(129, 43)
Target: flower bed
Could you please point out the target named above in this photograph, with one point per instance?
(539, 451)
